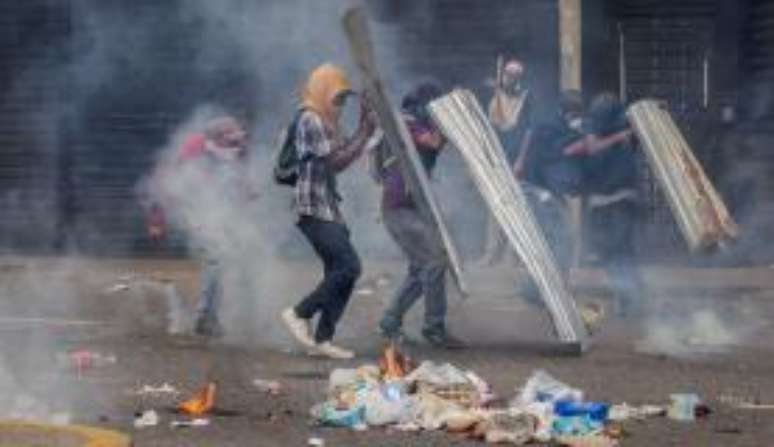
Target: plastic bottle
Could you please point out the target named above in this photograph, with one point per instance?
(84, 359)
(596, 411)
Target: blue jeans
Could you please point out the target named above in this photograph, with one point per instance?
(422, 245)
(341, 265)
(211, 288)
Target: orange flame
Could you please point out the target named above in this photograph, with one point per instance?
(393, 364)
(201, 402)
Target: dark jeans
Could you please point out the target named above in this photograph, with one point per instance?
(341, 270)
(424, 250)
(613, 233)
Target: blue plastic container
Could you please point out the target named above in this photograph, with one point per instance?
(596, 411)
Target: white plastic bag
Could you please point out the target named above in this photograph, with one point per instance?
(542, 387)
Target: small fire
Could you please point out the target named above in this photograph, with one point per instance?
(393, 364)
(202, 402)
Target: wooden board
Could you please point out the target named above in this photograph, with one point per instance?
(356, 28)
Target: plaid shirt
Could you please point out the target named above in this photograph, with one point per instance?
(315, 194)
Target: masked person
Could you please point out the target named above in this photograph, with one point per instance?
(611, 182)
(551, 177)
(418, 238)
(510, 111)
(213, 157)
(324, 152)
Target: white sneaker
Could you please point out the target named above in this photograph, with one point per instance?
(298, 327)
(332, 351)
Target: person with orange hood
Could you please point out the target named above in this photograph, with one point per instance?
(323, 152)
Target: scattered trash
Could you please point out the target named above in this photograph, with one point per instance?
(164, 388)
(443, 397)
(541, 387)
(148, 418)
(198, 422)
(202, 402)
(327, 414)
(342, 377)
(116, 288)
(485, 394)
(83, 359)
(582, 425)
(683, 407)
(433, 412)
(272, 387)
(595, 411)
(506, 427)
(386, 405)
(440, 375)
(599, 440)
(624, 412)
(316, 442)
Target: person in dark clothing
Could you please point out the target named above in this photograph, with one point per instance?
(324, 153)
(550, 177)
(611, 183)
(417, 237)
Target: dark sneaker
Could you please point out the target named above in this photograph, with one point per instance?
(443, 340)
(208, 326)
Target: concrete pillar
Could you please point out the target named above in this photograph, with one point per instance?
(570, 78)
(570, 44)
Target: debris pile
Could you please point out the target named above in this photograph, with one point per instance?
(435, 396)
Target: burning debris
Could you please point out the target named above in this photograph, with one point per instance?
(444, 397)
(202, 402)
(393, 364)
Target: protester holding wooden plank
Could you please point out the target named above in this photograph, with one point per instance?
(323, 152)
(611, 183)
(510, 112)
(417, 236)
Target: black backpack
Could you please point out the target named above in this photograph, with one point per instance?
(286, 162)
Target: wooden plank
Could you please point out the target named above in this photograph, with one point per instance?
(397, 135)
